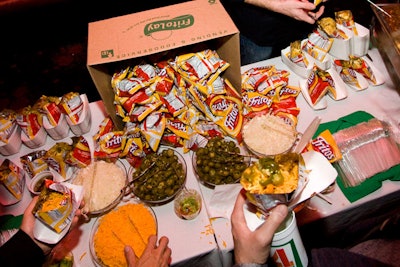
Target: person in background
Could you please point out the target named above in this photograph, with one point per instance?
(268, 26)
(22, 249)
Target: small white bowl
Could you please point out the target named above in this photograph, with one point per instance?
(37, 182)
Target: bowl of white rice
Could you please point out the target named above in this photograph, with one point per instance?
(103, 184)
(267, 135)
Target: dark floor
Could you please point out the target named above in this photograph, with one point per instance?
(44, 45)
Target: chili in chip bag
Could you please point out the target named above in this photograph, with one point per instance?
(72, 106)
(329, 27)
(49, 106)
(346, 19)
(30, 120)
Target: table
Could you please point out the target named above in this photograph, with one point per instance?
(320, 218)
(207, 239)
(189, 240)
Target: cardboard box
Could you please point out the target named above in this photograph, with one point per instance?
(157, 34)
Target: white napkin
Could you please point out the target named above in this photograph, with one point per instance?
(222, 203)
(223, 200)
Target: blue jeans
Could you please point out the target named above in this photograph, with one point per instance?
(251, 52)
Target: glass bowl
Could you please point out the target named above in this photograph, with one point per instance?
(266, 135)
(219, 160)
(160, 177)
(105, 192)
(129, 223)
(187, 204)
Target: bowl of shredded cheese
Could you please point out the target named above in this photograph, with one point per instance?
(129, 223)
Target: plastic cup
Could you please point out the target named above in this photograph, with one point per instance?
(287, 248)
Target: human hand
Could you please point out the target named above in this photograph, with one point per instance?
(153, 255)
(28, 222)
(254, 246)
(301, 10)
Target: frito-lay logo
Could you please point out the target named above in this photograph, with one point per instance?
(107, 53)
(177, 23)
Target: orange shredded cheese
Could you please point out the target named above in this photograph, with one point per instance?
(131, 224)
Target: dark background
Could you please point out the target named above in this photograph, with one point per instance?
(43, 43)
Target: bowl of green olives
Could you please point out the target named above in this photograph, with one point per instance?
(160, 177)
(219, 160)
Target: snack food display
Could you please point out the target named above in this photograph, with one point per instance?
(128, 224)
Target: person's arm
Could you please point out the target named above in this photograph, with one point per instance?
(253, 247)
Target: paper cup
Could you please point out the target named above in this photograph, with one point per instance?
(287, 248)
(84, 124)
(58, 132)
(14, 142)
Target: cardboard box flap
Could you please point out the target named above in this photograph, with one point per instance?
(153, 31)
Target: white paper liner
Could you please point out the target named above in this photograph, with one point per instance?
(60, 131)
(342, 48)
(43, 233)
(38, 140)
(378, 75)
(84, 124)
(341, 91)
(362, 82)
(14, 142)
(321, 104)
(360, 42)
(301, 71)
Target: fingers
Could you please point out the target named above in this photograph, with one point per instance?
(276, 216)
(237, 217)
(164, 249)
(130, 256)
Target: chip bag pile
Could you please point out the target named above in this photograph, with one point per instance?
(267, 90)
(173, 101)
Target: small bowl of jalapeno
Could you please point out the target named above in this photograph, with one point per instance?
(160, 177)
(219, 160)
